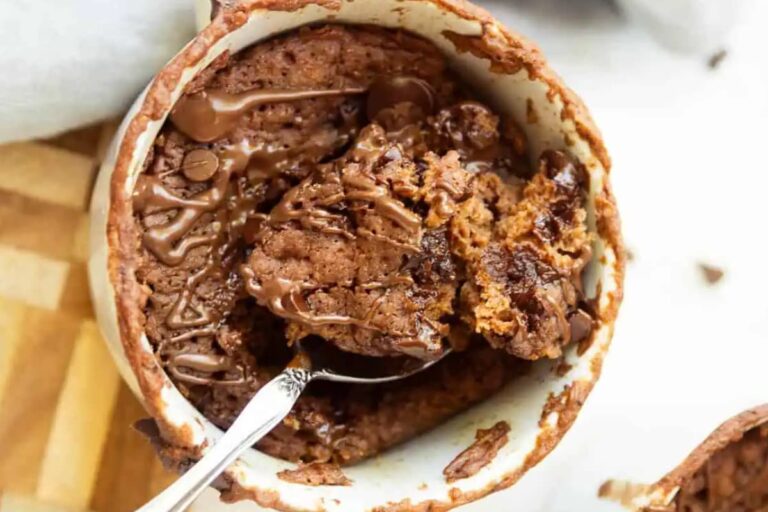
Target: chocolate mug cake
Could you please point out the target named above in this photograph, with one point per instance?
(341, 183)
(382, 180)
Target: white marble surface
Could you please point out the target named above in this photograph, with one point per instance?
(691, 176)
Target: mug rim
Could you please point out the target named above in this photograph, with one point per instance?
(507, 51)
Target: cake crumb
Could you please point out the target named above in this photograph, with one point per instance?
(711, 273)
(487, 444)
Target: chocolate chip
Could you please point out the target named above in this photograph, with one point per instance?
(711, 273)
(200, 165)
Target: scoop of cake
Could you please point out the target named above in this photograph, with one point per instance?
(523, 287)
(355, 253)
(379, 252)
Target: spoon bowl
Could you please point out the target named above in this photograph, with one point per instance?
(327, 362)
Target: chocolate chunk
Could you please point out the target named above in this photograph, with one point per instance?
(472, 129)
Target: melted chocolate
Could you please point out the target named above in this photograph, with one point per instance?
(311, 215)
(209, 115)
(261, 162)
(178, 317)
(152, 196)
(202, 363)
(314, 215)
(284, 298)
(365, 189)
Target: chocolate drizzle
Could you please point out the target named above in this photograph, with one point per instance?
(311, 215)
(259, 162)
(178, 318)
(363, 188)
(296, 204)
(202, 363)
(284, 298)
(162, 240)
(209, 115)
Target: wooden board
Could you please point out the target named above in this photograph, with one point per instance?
(66, 442)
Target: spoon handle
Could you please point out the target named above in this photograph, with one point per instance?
(265, 410)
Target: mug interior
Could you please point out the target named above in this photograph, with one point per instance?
(413, 470)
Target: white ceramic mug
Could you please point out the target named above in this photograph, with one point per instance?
(539, 407)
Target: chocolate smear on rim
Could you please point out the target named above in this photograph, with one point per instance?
(202, 363)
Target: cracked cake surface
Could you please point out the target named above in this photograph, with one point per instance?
(340, 183)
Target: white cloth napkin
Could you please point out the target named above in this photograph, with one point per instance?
(66, 63)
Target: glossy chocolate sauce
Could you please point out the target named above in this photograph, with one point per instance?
(210, 115)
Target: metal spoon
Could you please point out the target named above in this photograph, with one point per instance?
(272, 403)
